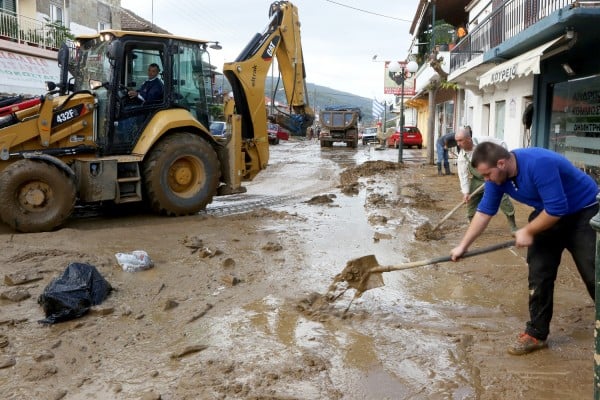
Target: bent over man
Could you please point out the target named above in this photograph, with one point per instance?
(470, 179)
(564, 201)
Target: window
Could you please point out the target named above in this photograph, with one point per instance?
(338, 119)
(103, 26)
(575, 123)
(139, 57)
(445, 117)
(500, 112)
(8, 6)
(56, 14)
(191, 79)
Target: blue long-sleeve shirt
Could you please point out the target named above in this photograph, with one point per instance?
(545, 181)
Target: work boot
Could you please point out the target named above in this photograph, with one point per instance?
(526, 344)
(512, 224)
(447, 169)
(439, 165)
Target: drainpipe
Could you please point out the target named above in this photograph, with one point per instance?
(432, 92)
(595, 223)
(432, 25)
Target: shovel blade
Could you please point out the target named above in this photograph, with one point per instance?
(357, 274)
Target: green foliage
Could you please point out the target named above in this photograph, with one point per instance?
(443, 32)
(216, 112)
(448, 85)
(56, 34)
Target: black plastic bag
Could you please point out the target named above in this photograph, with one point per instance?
(72, 294)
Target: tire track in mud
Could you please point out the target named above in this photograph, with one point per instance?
(250, 205)
(231, 207)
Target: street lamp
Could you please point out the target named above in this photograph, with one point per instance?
(401, 73)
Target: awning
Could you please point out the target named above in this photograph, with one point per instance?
(518, 67)
(26, 75)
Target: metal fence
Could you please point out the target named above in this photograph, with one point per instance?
(506, 21)
(21, 29)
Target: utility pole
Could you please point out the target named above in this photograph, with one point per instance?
(384, 125)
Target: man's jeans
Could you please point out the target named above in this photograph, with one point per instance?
(573, 233)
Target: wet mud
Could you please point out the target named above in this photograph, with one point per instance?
(242, 306)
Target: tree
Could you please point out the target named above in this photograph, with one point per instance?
(435, 62)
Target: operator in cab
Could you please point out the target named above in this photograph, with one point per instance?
(151, 90)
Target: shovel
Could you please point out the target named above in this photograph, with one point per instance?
(365, 273)
(451, 212)
(426, 232)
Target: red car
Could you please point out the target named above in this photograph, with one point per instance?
(411, 137)
(276, 133)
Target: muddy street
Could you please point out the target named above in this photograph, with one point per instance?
(237, 303)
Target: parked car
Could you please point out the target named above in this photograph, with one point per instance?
(217, 128)
(369, 135)
(411, 137)
(276, 133)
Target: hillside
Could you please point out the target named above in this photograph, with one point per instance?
(322, 96)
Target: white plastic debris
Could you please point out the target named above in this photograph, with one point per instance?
(137, 260)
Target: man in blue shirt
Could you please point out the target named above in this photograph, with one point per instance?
(442, 145)
(151, 90)
(564, 201)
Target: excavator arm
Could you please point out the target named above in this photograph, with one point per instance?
(247, 113)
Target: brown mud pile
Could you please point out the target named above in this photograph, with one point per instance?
(349, 177)
(425, 232)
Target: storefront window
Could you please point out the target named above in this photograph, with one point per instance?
(575, 123)
(500, 113)
(445, 117)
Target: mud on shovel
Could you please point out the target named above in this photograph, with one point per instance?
(365, 273)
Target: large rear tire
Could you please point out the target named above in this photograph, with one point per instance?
(181, 175)
(35, 196)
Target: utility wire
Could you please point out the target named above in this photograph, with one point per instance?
(368, 12)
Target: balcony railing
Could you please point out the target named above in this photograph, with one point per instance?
(21, 29)
(509, 19)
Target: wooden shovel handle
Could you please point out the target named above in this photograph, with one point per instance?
(437, 260)
(479, 189)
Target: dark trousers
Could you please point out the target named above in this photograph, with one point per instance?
(573, 233)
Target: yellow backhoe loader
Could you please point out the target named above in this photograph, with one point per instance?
(90, 141)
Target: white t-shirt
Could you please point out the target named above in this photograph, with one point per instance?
(464, 158)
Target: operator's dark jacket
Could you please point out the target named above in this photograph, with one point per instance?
(151, 91)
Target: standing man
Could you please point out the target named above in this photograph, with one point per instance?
(442, 145)
(564, 201)
(470, 179)
(151, 90)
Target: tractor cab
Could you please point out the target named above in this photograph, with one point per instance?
(117, 66)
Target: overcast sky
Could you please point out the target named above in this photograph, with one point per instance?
(339, 38)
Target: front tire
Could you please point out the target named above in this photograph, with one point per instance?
(181, 175)
(36, 196)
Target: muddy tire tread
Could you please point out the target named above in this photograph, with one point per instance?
(182, 143)
(20, 172)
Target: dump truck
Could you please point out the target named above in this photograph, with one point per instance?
(339, 124)
(88, 141)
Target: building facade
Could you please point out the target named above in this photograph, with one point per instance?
(529, 76)
(32, 31)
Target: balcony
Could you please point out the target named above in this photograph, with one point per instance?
(505, 22)
(21, 29)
